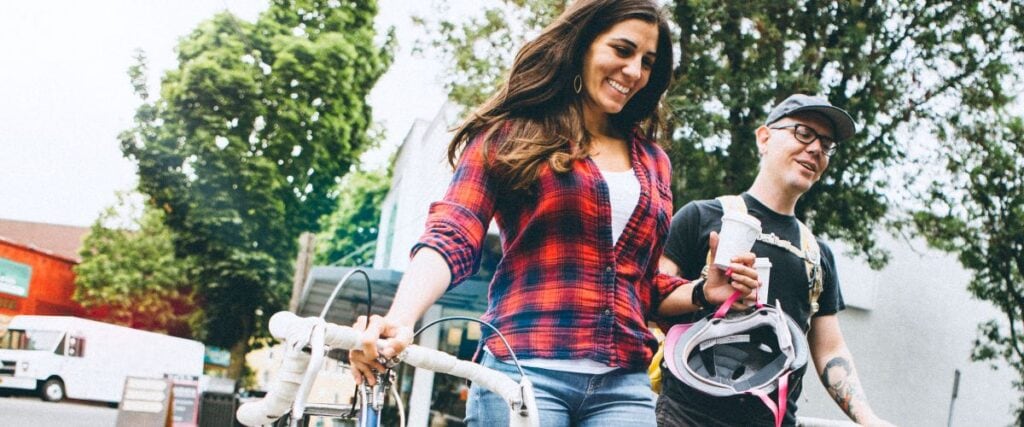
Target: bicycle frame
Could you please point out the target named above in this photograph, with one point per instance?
(371, 400)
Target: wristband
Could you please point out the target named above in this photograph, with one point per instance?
(697, 296)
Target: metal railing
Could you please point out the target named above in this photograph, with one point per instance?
(823, 422)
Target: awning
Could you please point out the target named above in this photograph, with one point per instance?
(350, 301)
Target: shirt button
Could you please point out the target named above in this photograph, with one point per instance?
(608, 269)
(607, 312)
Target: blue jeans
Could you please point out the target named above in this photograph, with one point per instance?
(615, 399)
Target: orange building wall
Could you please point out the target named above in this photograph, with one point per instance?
(50, 287)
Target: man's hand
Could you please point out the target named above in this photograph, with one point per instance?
(741, 276)
(364, 360)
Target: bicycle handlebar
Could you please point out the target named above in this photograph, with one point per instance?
(297, 332)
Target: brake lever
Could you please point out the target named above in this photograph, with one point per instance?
(526, 395)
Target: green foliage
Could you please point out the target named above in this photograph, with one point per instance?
(244, 148)
(480, 49)
(350, 233)
(889, 63)
(977, 213)
(130, 276)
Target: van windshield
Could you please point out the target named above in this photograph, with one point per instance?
(17, 339)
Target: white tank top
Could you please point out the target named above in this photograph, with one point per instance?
(624, 193)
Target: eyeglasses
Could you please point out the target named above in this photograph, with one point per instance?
(806, 136)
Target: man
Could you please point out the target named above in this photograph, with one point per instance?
(795, 144)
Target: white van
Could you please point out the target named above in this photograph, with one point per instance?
(68, 357)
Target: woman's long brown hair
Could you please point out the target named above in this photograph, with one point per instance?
(538, 114)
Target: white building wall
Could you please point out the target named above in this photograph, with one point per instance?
(909, 327)
(421, 176)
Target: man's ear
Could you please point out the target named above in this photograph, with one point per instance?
(761, 136)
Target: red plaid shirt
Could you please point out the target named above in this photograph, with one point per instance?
(561, 290)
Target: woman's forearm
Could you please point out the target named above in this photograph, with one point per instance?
(423, 283)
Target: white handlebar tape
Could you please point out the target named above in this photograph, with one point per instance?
(280, 392)
(433, 360)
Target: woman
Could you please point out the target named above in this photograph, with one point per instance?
(563, 158)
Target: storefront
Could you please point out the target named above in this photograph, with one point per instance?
(36, 276)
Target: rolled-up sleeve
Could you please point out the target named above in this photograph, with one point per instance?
(666, 284)
(457, 225)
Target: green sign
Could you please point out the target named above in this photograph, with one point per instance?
(14, 278)
(217, 356)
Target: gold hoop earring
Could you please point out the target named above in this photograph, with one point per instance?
(577, 83)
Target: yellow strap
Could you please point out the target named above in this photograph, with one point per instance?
(654, 370)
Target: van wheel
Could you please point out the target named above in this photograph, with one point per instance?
(53, 390)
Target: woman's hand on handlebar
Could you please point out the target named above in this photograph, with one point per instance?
(364, 360)
(741, 277)
(425, 280)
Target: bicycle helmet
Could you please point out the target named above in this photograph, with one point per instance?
(730, 354)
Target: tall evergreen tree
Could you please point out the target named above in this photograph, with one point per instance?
(246, 144)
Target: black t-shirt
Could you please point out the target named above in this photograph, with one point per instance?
(687, 247)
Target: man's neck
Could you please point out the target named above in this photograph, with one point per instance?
(774, 196)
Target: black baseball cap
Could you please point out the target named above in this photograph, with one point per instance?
(842, 123)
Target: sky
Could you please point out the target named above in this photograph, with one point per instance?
(65, 94)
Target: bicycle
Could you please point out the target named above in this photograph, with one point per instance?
(308, 340)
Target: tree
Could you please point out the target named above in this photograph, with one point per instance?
(477, 50)
(252, 132)
(350, 233)
(976, 211)
(130, 276)
(891, 64)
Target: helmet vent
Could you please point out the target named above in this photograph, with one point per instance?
(739, 372)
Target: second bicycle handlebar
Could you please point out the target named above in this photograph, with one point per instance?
(297, 332)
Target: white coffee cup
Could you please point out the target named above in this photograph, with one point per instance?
(738, 234)
(764, 271)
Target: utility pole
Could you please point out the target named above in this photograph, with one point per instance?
(956, 388)
(307, 242)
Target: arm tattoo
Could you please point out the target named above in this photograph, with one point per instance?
(842, 384)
